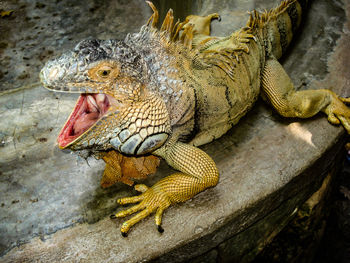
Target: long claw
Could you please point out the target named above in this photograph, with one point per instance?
(215, 16)
(160, 229)
(112, 217)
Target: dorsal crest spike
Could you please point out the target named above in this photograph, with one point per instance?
(167, 25)
(170, 32)
(257, 19)
(187, 36)
(177, 30)
(155, 16)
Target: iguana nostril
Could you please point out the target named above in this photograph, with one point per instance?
(56, 73)
(53, 73)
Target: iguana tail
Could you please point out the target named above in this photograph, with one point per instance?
(278, 25)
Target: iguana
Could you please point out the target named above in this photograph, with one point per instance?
(166, 91)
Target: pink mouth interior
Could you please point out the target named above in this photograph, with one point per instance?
(88, 110)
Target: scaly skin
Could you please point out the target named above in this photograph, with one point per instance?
(179, 84)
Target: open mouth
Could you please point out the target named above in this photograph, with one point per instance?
(87, 111)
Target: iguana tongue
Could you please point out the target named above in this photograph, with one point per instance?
(85, 121)
(92, 109)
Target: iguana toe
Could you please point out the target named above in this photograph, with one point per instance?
(346, 122)
(345, 100)
(333, 119)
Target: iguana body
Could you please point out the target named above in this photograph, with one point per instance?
(166, 92)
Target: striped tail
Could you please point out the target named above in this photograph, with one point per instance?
(278, 25)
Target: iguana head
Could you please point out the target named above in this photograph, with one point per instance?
(116, 108)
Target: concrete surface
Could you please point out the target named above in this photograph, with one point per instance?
(52, 207)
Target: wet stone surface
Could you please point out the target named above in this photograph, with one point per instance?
(52, 207)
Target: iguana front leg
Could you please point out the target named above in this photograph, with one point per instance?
(199, 29)
(279, 90)
(197, 172)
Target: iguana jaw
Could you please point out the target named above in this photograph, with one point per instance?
(89, 109)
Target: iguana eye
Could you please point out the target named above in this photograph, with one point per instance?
(104, 73)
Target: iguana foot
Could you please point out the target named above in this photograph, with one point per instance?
(201, 23)
(338, 112)
(198, 172)
(151, 200)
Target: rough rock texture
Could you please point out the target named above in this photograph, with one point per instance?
(52, 207)
(39, 30)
